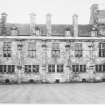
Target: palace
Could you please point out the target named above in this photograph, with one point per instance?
(52, 52)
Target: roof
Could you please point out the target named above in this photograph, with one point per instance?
(101, 14)
(57, 29)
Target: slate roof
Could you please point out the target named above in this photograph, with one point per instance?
(101, 14)
(57, 29)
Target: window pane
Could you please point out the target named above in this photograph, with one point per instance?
(96, 67)
(73, 68)
(101, 49)
(7, 49)
(77, 68)
(59, 68)
(5, 68)
(32, 48)
(36, 68)
(1, 68)
(103, 68)
(78, 49)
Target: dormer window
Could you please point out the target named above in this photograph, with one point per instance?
(67, 32)
(93, 32)
(102, 31)
(37, 31)
(14, 31)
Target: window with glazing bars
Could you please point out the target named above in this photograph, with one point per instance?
(7, 69)
(51, 68)
(32, 49)
(7, 49)
(31, 68)
(101, 49)
(35, 68)
(100, 68)
(79, 68)
(60, 68)
(78, 49)
(55, 50)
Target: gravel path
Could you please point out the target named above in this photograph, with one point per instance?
(53, 93)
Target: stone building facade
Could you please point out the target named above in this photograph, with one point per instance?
(52, 52)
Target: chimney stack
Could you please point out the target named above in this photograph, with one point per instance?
(32, 23)
(75, 25)
(3, 23)
(93, 14)
(48, 24)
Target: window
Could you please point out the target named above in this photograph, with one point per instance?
(51, 68)
(100, 68)
(32, 49)
(79, 68)
(60, 68)
(36, 68)
(31, 68)
(11, 68)
(7, 69)
(55, 50)
(78, 49)
(101, 49)
(7, 49)
(67, 32)
(27, 68)
(82, 68)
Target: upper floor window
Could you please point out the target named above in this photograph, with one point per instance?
(7, 49)
(79, 68)
(101, 49)
(55, 50)
(78, 49)
(32, 49)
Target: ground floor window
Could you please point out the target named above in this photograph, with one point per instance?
(60, 68)
(55, 68)
(79, 68)
(7, 68)
(100, 68)
(51, 68)
(31, 68)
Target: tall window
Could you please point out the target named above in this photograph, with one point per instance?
(55, 50)
(60, 68)
(78, 49)
(51, 68)
(79, 68)
(7, 49)
(100, 68)
(7, 69)
(32, 49)
(31, 68)
(101, 49)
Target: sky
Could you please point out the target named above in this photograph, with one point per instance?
(62, 10)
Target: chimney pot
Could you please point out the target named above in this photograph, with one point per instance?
(75, 25)
(32, 23)
(48, 24)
